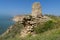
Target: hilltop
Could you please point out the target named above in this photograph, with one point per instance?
(50, 30)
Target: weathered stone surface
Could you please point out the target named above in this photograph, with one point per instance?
(18, 18)
(36, 10)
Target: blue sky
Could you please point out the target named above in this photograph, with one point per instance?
(16, 7)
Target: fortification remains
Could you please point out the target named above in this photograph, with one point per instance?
(36, 10)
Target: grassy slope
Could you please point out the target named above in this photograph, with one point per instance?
(49, 31)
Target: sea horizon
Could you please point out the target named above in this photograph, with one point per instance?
(5, 22)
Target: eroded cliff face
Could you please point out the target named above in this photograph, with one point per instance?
(18, 18)
(30, 23)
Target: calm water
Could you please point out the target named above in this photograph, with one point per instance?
(5, 22)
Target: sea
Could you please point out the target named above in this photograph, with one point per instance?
(5, 22)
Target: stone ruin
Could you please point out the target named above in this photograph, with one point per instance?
(36, 10)
(31, 21)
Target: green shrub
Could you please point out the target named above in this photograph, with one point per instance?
(44, 27)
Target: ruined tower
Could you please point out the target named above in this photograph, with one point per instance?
(36, 10)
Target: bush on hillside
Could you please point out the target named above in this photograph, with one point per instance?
(44, 27)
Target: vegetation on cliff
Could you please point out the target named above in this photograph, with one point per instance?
(49, 30)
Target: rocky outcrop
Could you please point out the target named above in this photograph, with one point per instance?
(18, 18)
(31, 21)
(29, 24)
